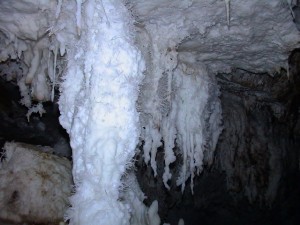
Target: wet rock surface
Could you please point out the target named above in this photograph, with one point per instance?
(255, 177)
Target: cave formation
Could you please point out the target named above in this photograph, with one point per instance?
(192, 105)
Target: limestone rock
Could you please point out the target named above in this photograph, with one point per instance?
(34, 184)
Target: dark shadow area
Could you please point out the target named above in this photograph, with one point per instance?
(14, 126)
(255, 177)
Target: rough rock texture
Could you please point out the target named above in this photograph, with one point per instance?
(14, 125)
(34, 185)
(255, 178)
(255, 35)
(257, 149)
(257, 153)
(26, 35)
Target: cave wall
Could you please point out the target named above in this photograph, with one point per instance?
(257, 149)
(255, 175)
(256, 159)
(37, 130)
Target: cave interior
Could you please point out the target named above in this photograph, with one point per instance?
(237, 61)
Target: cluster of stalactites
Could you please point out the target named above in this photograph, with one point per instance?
(180, 109)
(37, 42)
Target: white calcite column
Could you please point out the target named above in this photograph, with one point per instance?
(98, 110)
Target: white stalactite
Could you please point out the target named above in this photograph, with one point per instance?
(227, 3)
(78, 16)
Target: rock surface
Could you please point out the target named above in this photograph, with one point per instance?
(14, 125)
(34, 185)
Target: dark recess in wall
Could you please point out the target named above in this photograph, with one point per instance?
(45, 130)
